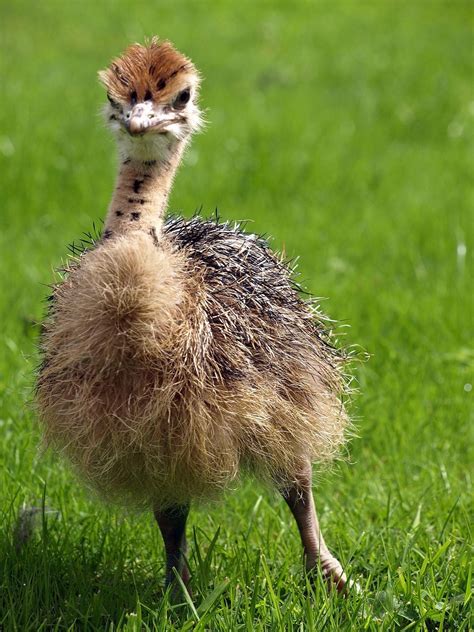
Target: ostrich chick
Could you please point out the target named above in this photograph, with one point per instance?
(178, 352)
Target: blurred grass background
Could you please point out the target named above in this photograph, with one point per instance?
(344, 130)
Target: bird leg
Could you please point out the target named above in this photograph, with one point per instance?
(299, 498)
(172, 523)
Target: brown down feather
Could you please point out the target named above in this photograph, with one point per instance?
(168, 367)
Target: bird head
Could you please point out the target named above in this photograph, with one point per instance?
(152, 98)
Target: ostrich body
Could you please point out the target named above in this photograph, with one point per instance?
(177, 353)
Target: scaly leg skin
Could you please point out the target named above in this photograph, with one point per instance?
(300, 500)
(172, 523)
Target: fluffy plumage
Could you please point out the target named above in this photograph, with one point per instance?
(177, 354)
(171, 362)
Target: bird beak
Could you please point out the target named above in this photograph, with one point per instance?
(148, 116)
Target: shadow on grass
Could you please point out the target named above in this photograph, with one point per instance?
(55, 581)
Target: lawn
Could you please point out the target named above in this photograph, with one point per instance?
(344, 130)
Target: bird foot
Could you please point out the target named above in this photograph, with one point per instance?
(175, 587)
(332, 572)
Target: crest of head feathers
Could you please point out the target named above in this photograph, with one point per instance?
(154, 71)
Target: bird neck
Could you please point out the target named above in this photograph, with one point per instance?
(141, 193)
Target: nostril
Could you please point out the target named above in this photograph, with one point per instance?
(150, 116)
(135, 126)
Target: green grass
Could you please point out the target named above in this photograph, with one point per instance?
(345, 131)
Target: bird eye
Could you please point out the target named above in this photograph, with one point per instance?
(182, 98)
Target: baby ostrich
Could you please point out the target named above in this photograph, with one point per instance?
(178, 352)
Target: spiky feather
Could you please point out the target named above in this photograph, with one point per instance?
(172, 364)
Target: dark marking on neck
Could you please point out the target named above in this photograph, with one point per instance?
(119, 213)
(135, 216)
(107, 234)
(166, 164)
(136, 185)
(136, 201)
